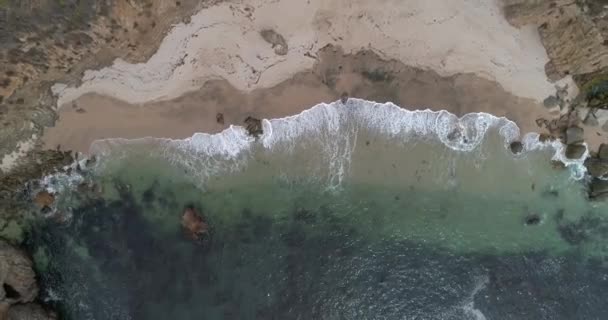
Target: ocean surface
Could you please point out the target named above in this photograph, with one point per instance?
(345, 211)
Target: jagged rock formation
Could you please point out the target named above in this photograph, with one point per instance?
(14, 204)
(18, 287)
(572, 32)
(575, 35)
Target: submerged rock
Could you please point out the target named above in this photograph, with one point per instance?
(598, 189)
(194, 225)
(597, 167)
(44, 199)
(254, 126)
(532, 219)
(603, 151)
(16, 275)
(516, 147)
(574, 134)
(575, 151)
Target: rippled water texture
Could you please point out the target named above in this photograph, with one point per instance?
(361, 211)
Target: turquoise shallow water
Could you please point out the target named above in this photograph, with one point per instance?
(345, 212)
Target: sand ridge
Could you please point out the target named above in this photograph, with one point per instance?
(224, 42)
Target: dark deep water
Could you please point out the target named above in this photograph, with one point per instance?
(112, 263)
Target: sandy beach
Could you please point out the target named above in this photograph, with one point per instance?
(364, 75)
(244, 60)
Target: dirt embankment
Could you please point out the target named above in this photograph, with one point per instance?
(47, 41)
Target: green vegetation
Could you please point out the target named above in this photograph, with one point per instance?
(596, 84)
(12, 232)
(594, 89)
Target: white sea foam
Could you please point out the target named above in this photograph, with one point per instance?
(469, 306)
(334, 127)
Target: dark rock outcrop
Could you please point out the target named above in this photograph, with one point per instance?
(516, 147)
(597, 167)
(219, 118)
(571, 35)
(254, 126)
(276, 40)
(575, 36)
(574, 134)
(344, 97)
(598, 189)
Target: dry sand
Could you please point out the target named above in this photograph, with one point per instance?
(364, 75)
(458, 55)
(224, 42)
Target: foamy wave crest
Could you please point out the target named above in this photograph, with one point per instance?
(206, 155)
(203, 155)
(333, 128)
(461, 134)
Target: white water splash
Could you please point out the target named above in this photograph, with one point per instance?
(335, 126)
(469, 306)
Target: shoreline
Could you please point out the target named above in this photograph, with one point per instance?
(187, 69)
(279, 59)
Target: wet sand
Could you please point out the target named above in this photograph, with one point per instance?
(362, 75)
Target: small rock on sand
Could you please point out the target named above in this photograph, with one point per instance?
(219, 118)
(550, 101)
(590, 120)
(574, 134)
(276, 40)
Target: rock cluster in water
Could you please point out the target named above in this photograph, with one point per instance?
(194, 225)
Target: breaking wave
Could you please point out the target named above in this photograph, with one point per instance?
(334, 126)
